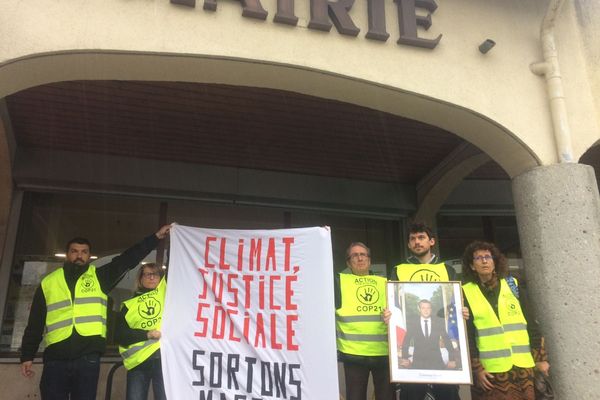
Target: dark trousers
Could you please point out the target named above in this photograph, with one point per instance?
(417, 391)
(357, 379)
(139, 378)
(71, 379)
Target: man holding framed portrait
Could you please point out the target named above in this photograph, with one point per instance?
(428, 346)
(424, 266)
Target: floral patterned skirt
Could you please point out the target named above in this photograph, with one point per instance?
(516, 384)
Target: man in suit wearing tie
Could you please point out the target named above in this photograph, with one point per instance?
(426, 333)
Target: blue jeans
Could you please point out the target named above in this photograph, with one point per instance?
(138, 380)
(71, 379)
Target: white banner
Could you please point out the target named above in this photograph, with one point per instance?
(249, 315)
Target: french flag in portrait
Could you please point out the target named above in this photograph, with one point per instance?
(399, 323)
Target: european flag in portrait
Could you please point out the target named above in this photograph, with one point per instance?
(452, 327)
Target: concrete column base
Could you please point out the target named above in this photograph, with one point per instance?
(558, 213)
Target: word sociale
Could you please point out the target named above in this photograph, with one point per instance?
(325, 14)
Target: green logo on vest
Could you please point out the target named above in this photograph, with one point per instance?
(367, 294)
(425, 275)
(87, 283)
(149, 308)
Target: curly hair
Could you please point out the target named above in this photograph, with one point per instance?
(500, 263)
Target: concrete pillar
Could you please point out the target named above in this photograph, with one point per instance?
(558, 213)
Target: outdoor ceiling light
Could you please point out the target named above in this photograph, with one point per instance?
(63, 255)
(486, 46)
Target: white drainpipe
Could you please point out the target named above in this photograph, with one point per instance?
(550, 69)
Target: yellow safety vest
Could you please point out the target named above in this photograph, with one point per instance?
(359, 322)
(502, 342)
(86, 311)
(422, 273)
(144, 312)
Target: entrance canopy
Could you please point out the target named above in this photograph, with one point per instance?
(229, 126)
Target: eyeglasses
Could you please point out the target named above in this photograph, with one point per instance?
(151, 275)
(481, 258)
(355, 256)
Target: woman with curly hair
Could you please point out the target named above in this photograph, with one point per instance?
(504, 342)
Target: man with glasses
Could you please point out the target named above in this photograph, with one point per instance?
(424, 266)
(69, 309)
(360, 330)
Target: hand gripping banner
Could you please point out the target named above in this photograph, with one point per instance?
(249, 315)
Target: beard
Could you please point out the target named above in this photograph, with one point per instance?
(420, 252)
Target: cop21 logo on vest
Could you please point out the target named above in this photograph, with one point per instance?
(367, 294)
(149, 308)
(88, 283)
(324, 14)
(512, 306)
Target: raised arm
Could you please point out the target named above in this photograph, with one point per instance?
(110, 274)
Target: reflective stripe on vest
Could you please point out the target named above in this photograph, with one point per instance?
(502, 342)
(143, 312)
(87, 313)
(360, 329)
(422, 273)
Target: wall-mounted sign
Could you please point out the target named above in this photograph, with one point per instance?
(324, 14)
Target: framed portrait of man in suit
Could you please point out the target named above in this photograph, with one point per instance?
(426, 335)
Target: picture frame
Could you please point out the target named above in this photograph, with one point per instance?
(415, 357)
